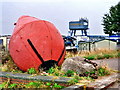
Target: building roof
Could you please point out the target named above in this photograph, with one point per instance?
(94, 41)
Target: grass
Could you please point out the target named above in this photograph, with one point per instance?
(90, 57)
(32, 71)
(94, 55)
(102, 72)
(37, 84)
(107, 56)
(9, 66)
(118, 54)
(100, 57)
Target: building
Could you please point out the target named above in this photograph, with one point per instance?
(4, 41)
(96, 45)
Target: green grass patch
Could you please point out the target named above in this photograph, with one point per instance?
(90, 57)
(37, 84)
(118, 55)
(32, 71)
(107, 56)
(100, 57)
(69, 73)
(102, 71)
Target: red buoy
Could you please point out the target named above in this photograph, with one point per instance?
(36, 43)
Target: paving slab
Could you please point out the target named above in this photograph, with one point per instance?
(34, 77)
(99, 84)
(104, 82)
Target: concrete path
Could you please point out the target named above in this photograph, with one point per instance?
(112, 63)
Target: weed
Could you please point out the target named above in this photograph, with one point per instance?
(37, 84)
(98, 54)
(69, 73)
(100, 57)
(32, 71)
(90, 57)
(108, 56)
(9, 65)
(5, 57)
(118, 55)
(89, 75)
(48, 84)
(88, 78)
(4, 68)
(2, 85)
(16, 71)
(57, 86)
(102, 71)
(87, 72)
(5, 84)
(92, 72)
(54, 71)
(73, 81)
(12, 85)
(33, 85)
(51, 70)
(77, 77)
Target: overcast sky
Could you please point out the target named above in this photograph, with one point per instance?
(59, 12)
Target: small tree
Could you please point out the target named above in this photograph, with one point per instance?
(111, 20)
